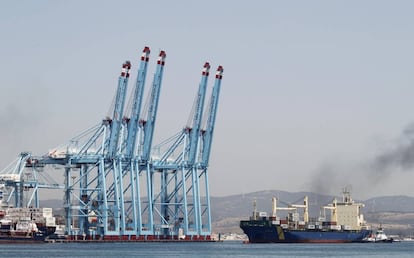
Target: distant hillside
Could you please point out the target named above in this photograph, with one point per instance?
(242, 205)
(394, 212)
(390, 203)
(53, 203)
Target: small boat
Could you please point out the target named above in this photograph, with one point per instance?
(379, 237)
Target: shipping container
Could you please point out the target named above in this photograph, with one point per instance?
(50, 222)
(262, 214)
(334, 227)
(285, 226)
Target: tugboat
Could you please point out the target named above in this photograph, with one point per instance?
(379, 237)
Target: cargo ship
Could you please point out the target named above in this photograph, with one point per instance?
(25, 225)
(345, 224)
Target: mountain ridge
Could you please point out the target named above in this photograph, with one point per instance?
(395, 213)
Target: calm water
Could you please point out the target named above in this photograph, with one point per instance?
(224, 249)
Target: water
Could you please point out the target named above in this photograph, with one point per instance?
(223, 249)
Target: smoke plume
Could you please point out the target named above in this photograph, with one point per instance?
(399, 157)
(375, 169)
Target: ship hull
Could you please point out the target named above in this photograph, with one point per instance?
(26, 225)
(23, 239)
(17, 240)
(276, 234)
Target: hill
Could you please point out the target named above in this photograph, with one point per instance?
(394, 213)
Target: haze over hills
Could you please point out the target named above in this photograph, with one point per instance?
(243, 204)
(394, 213)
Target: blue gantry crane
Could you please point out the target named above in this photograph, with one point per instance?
(22, 180)
(184, 181)
(148, 125)
(118, 110)
(207, 133)
(133, 122)
(117, 185)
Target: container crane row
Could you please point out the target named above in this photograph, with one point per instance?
(118, 185)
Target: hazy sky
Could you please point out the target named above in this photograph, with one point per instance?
(316, 95)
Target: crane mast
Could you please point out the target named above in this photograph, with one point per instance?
(136, 108)
(148, 125)
(199, 105)
(207, 135)
(119, 109)
(114, 189)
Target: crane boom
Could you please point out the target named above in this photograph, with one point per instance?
(136, 108)
(199, 105)
(148, 125)
(116, 188)
(207, 135)
(119, 109)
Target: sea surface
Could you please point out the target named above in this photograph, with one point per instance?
(219, 249)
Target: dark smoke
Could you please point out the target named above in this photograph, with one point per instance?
(331, 177)
(16, 127)
(370, 171)
(400, 157)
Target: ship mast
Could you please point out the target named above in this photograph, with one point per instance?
(254, 210)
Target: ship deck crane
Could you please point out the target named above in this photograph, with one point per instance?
(292, 207)
(332, 208)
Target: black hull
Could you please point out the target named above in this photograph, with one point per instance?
(35, 238)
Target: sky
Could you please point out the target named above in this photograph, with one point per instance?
(316, 95)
